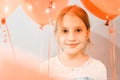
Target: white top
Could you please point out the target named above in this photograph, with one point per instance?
(91, 70)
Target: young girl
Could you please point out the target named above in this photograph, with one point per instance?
(72, 31)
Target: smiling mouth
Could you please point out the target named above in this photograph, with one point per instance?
(72, 45)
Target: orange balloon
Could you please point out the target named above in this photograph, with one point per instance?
(16, 71)
(103, 9)
(25, 66)
(36, 9)
(7, 7)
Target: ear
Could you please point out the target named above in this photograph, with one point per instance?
(88, 34)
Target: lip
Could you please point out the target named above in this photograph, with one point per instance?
(72, 45)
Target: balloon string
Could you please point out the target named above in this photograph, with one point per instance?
(49, 57)
(49, 51)
(0, 26)
(10, 41)
(112, 49)
(113, 56)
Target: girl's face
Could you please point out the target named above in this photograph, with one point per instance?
(72, 34)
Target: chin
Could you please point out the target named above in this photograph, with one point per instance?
(71, 52)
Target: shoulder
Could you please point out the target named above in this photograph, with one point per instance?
(50, 62)
(97, 63)
(98, 68)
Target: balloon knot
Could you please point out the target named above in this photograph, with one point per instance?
(3, 21)
(41, 26)
(107, 23)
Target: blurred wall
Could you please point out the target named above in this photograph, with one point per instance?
(27, 35)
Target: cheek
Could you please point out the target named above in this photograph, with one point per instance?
(61, 40)
(82, 39)
(82, 36)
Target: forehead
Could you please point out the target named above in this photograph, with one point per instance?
(72, 21)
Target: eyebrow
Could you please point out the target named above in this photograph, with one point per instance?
(69, 27)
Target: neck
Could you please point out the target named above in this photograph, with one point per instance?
(73, 60)
(70, 56)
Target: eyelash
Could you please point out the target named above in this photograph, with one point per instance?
(65, 31)
(78, 30)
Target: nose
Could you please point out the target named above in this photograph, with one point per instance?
(71, 36)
